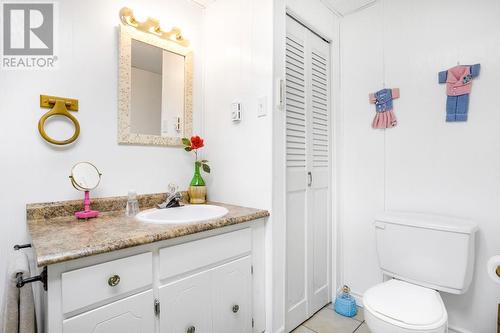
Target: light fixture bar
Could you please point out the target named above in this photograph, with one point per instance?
(152, 26)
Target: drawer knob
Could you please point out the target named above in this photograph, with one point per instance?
(191, 329)
(236, 308)
(114, 280)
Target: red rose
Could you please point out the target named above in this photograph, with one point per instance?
(196, 142)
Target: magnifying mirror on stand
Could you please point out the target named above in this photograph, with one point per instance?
(85, 177)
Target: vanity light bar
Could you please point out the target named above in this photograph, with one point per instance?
(152, 26)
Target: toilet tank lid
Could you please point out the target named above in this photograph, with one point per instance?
(428, 221)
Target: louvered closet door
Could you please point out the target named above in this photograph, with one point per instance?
(307, 167)
(296, 169)
(319, 199)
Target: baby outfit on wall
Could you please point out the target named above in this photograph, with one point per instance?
(384, 117)
(458, 87)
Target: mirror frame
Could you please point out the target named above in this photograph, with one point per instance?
(125, 136)
(75, 184)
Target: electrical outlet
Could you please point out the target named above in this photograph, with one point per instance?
(236, 111)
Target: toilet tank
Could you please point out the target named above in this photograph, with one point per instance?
(429, 250)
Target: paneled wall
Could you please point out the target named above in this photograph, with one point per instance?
(424, 164)
(238, 62)
(32, 170)
(238, 69)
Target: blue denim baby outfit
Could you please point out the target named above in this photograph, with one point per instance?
(457, 108)
(383, 100)
(458, 80)
(384, 117)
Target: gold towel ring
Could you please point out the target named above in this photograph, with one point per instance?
(60, 107)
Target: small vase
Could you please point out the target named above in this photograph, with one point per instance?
(197, 189)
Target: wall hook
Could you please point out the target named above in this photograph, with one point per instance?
(60, 106)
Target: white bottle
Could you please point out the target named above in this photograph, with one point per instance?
(132, 208)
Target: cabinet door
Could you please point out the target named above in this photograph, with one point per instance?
(134, 314)
(185, 305)
(231, 295)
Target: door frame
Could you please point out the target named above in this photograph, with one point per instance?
(282, 8)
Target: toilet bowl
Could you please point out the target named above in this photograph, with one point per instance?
(421, 255)
(401, 307)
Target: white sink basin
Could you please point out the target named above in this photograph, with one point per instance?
(185, 214)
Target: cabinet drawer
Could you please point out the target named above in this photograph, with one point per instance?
(133, 314)
(190, 256)
(89, 285)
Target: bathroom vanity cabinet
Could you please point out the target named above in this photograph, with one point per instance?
(206, 282)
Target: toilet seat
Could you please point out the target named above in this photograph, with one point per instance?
(406, 306)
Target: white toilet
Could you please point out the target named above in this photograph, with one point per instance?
(419, 255)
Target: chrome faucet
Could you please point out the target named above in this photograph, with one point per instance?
(174, 198)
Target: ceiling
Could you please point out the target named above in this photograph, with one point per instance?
(342, 7)
(203, 3)
(345, 7)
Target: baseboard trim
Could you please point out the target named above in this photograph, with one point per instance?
(358, 297)
(453, 329)
(280, 330)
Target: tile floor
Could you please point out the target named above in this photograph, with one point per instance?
(328, 321)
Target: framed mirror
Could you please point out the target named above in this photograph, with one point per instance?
(85, 176)
(155, 90)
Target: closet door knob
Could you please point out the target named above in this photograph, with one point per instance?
(191, 329)
(114, 280)
(310, 176)
(236, 308)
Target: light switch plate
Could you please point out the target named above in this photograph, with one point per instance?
(262, 107)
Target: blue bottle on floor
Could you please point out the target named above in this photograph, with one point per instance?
(345, 304)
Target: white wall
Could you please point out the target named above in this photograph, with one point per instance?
(33, 171)
(238, 63)
(424, 164)
(238, 45)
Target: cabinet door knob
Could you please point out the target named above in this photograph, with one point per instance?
(236, 308)
(191, 329)
(114, 280)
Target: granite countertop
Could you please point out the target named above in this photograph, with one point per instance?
(57, 236)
